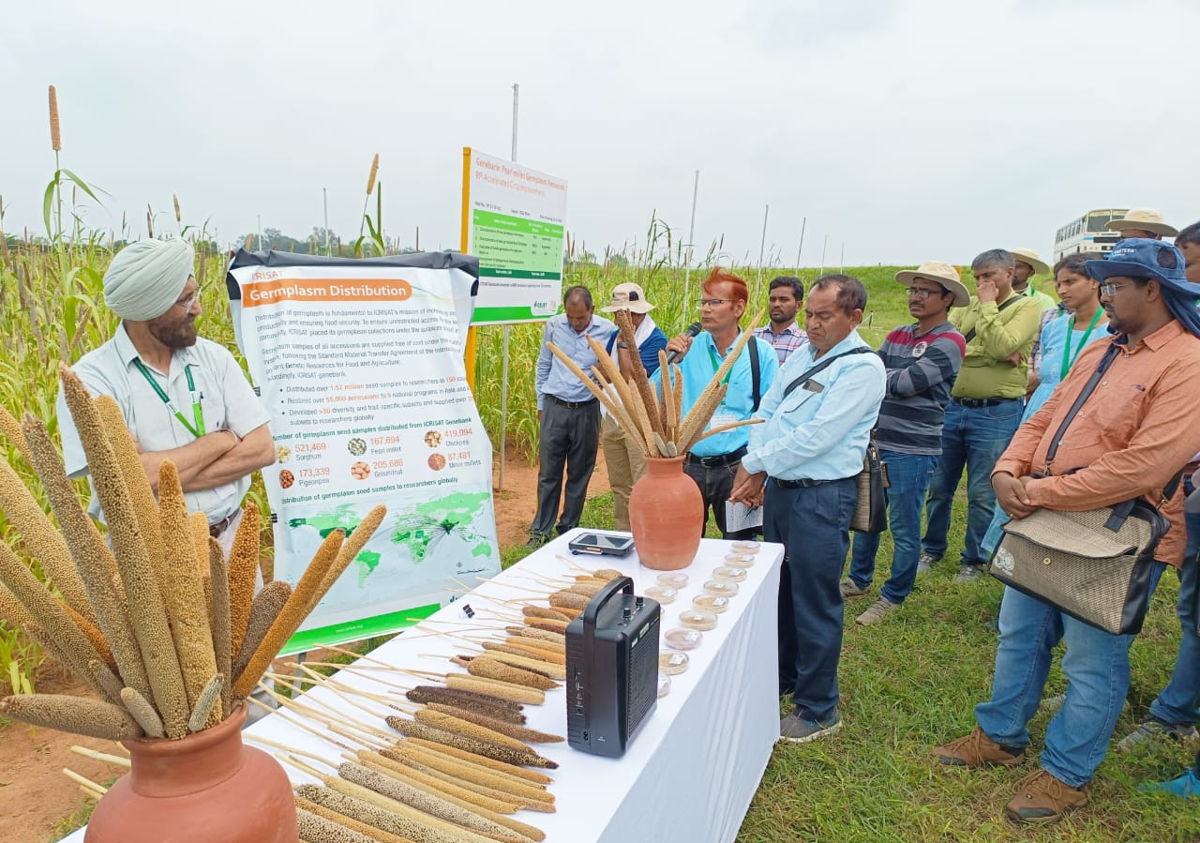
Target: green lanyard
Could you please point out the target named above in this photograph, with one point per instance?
(196, 430)
(1069, 358)
(716, 364)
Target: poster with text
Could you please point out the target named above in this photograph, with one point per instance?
(513, 221)
(360, 364)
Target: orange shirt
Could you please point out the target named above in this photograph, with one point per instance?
(1129, 438)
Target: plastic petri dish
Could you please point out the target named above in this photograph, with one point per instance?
(727, 573)
(739, 560)
(672, 663)
(719, 588)
(746, 547)
(710, 603)
(664, 685)
(682, 638)
(664, 594)
(698, 619)
(673, 579)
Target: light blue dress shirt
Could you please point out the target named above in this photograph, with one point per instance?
(822, 434)
(553, 378)
(697, 368)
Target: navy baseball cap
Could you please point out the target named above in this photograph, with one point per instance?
(1138, 257)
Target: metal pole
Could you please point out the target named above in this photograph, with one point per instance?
(824, 243)
(762, 243)
(506, 331)
(843, 270)
(325, 202)
(803, 224)
(687, 267)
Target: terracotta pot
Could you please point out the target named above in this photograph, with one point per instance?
(206, 787)
(666, 511)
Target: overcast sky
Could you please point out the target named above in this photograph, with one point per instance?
(906, 130)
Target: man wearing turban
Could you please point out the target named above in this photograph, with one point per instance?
(184, 398)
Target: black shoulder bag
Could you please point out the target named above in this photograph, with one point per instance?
(1093, 565)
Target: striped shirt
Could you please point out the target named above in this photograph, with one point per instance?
(785, 342)
(920, 372)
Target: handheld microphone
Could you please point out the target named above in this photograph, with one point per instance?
(691, 331)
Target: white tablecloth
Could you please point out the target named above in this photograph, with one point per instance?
(694, 765)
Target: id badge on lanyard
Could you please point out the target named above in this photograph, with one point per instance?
(196, 426)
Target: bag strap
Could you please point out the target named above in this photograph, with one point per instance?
(804, 378)
(1122, 510)
(1088, 389)
(1016, 298)
(755, 376)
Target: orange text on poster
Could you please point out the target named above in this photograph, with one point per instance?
(258, 293)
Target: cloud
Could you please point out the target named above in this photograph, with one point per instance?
(905, 130)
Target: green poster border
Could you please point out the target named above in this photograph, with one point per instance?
(356, 630)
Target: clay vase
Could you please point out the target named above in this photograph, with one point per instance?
(205, 788)
(666, 511)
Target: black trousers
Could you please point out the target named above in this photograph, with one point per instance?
(569, 439)
(715, 485)
(813, 525)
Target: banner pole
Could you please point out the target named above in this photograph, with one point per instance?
(472, 332)
(687, 266)
(506, 334)
(762, 243)
(800, 250)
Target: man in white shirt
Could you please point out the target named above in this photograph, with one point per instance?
(183, 397)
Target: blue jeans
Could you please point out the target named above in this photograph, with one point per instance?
(1096, 664)
(972, 438)
(1179, 702)
(812, 523)
(909, 475)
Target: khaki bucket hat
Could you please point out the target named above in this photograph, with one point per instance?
(1146, 219)
(628, 296)
(1029, 256)
(941, 273)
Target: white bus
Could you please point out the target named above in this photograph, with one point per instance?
(1087, 233)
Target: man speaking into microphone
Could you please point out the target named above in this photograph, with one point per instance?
(712, 462)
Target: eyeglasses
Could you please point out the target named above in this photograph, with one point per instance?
(922, 292)
(1109, 290)
(187, 303)
(713, 302)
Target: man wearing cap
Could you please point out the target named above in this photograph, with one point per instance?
(568, 415)
(1028, 264)
(922, 360)
(713, 461)
(623, 458)
(1142, 222)
(785, 296)
(1175, 712)
(999, 326)
(184, 398)
(1129, 438)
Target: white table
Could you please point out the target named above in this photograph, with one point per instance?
(694, 765)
